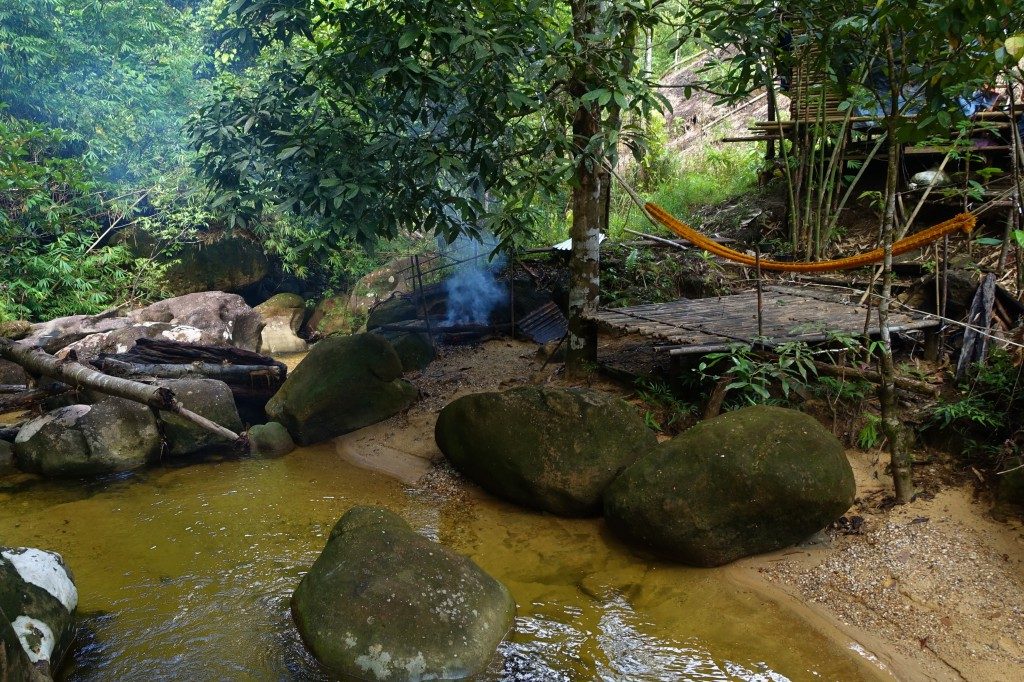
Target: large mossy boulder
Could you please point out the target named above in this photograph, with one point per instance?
(384, 603)
(343, 384)
(216, 263)
(546, 448)
(88, 440)
(208, 398)
(38, 598)
(751, 481)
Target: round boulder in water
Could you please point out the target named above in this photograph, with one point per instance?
(86, 440)
(38, 598)
(751, 481)
(548, 448)
(343, 384)
(208, 398)
(384, 603)
(270, 440)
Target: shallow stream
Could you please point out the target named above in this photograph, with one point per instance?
(185, 574)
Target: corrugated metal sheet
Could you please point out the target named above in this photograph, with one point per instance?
(544, 324)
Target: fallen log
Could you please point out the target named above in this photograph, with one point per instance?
(226, 373)
(919, 387)
(28, 398)
(77, 375)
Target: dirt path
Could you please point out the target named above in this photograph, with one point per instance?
(930, 591)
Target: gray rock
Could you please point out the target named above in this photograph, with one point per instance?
(384, 282)
(38, 597)
(85, 440)
(14, 663)
(225, 316)
(270, 440)
(343, 384)
(61, 332)
(283, 315)
(121, 340)
(383, 603)
(546, 448)
(750, 481)
(208, 398)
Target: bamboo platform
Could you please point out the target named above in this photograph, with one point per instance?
(790, 313)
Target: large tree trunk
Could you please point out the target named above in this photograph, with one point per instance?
(591, 196)
(77, 375)
(585, 259)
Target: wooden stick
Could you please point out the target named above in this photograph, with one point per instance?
(874, 377)
(77, 375)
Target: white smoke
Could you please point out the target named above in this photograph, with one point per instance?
(473, 291)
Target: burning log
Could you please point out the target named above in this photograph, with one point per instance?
(77, 375)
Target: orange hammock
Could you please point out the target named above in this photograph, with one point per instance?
(964, 221)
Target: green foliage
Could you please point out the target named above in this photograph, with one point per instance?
(51, 216)
(985, 413)
(940, 49)
(118, 76)
(664, 411)
(870, 435)
(705, 176)
(752, 376)
(374, 117)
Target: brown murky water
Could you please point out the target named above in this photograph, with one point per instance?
(185, 574)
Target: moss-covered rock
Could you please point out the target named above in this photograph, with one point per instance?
(546, 448)
(208, 398)
(87, 440)
(39, 598)
(750, 481)
(6, 457)
(1011, 484)
(332, 316)
(384, 603)
(398, 309)
(15, 329)
(414, 348)
(343, 384)
(218, 263)
(270, 440)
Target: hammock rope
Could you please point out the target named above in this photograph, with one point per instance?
(964, 222)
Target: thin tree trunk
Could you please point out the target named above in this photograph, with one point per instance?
(78, 375)
(891, 424)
